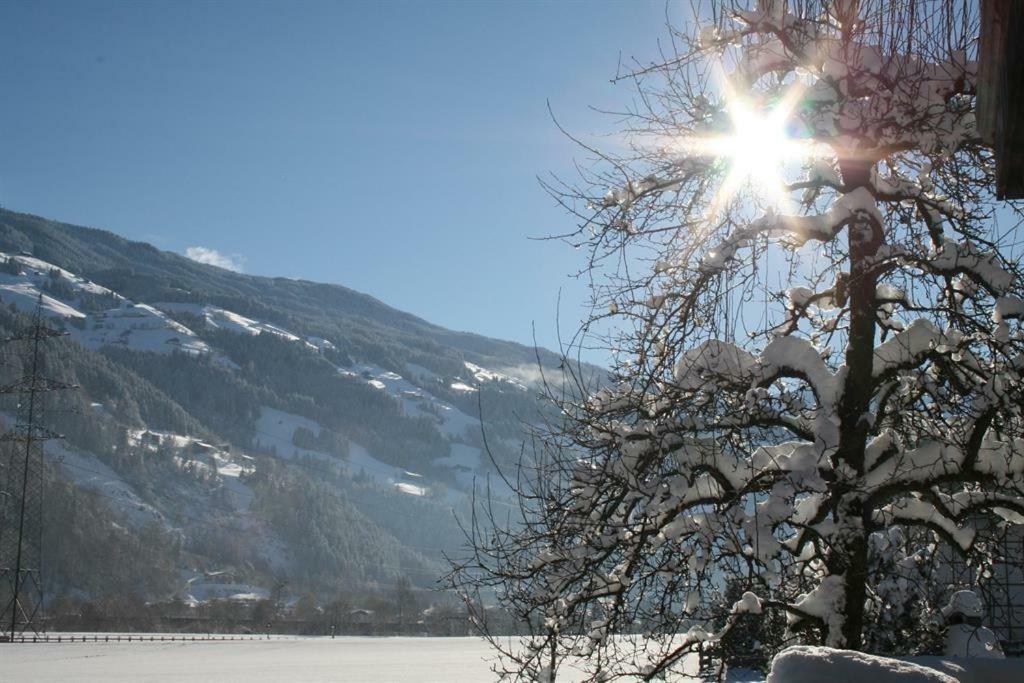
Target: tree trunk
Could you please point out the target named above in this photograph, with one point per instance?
(849, 555)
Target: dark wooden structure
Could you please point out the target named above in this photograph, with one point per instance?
(1001, 91)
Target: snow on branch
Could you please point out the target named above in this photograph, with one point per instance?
(793, 434)
(797, 230)
(913, 510)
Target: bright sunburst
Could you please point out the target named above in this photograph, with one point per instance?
(756, 149)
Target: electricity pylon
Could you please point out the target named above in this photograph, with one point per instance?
(21, 498)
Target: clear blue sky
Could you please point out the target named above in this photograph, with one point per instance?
(388, 146)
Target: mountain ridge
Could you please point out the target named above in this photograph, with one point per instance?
(103, 256)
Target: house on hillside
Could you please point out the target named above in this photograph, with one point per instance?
(201, 448)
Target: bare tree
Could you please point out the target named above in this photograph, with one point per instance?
(814, 302)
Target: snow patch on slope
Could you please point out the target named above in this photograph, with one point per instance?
(416, 402)
(222, 319)
(87, 471)
(141, 328)
(484, 375)
(125, 323)
(192, 453)
(26, 296)
(37, 271)
(275, 428)
(464, 461)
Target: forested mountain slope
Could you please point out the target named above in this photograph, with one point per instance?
(233, 433)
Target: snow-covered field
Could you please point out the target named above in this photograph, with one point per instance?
(408, 660)
(281, 659)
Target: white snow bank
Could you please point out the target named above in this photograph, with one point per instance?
(975, 669)
(806, 664)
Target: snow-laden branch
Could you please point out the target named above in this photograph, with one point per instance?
(857, 204)
(808, 428)
(716, 363)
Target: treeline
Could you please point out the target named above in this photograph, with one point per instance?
(333, 542)
(228, 402)
(428, 524)
(87, 552)
(394, 610)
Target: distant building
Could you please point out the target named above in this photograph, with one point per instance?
(150, 438)
(201, 447)
(360, 617)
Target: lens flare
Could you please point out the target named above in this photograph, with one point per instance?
(756, 149)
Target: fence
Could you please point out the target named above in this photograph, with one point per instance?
(124, 638)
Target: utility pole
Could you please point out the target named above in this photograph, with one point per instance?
(21, 499)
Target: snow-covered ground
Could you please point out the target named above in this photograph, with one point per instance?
(408, 660)
(484, 375)
(464, 460)
(355, 659)
(138, 327)
(200, 455)
(218, 318)
(395, 660)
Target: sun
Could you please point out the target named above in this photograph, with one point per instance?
(756, 149)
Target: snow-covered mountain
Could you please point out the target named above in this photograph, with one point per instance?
(266, 428)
